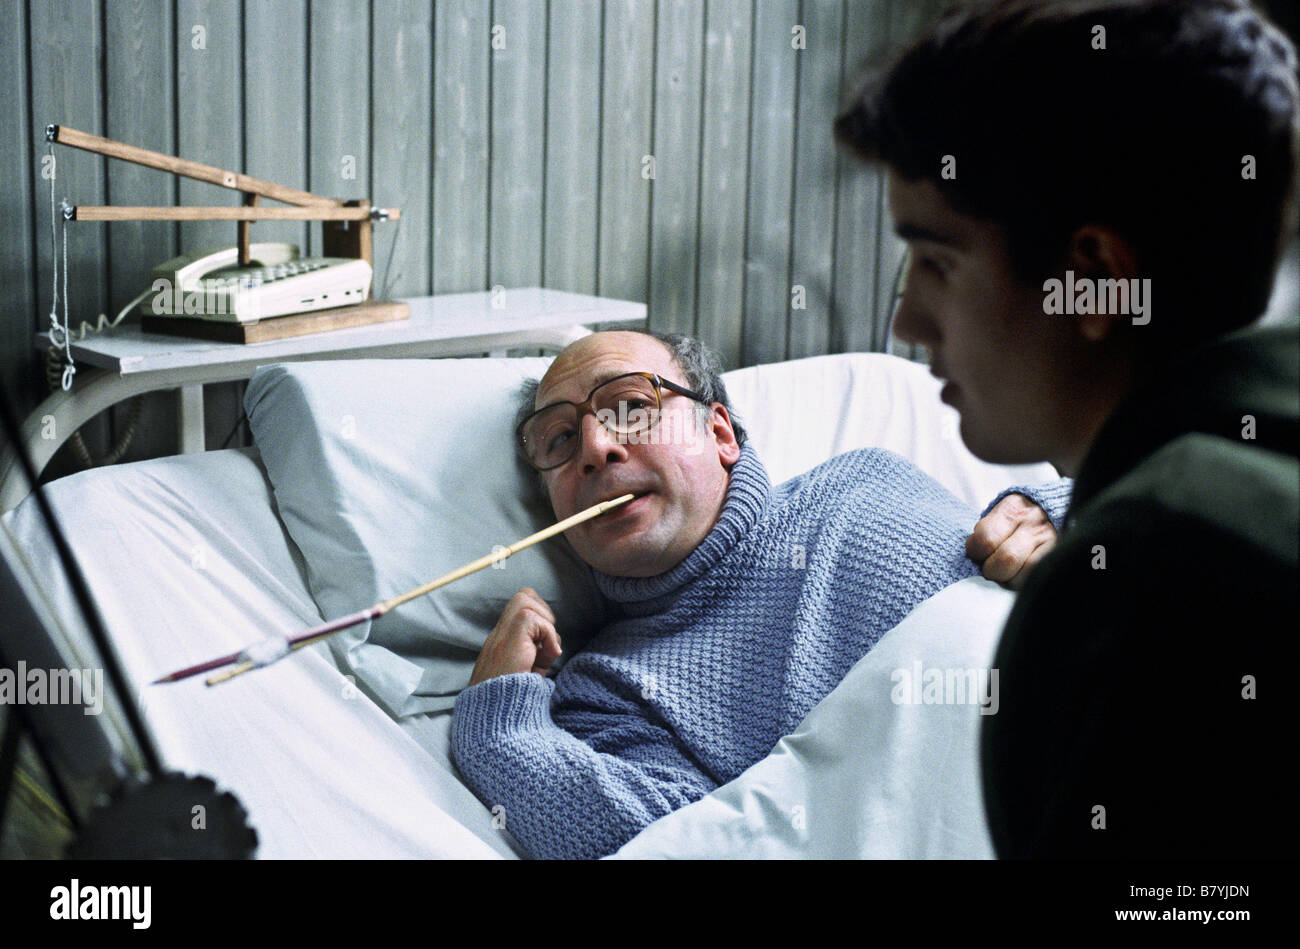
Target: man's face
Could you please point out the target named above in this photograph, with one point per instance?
(1007, 365)
(684, 477)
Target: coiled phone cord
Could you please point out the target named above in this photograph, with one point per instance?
(59, 365)
(56, 372)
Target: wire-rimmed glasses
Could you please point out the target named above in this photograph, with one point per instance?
(629, 406)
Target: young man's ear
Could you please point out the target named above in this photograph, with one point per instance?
(1100, 253)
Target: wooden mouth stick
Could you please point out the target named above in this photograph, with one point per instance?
(241, 662)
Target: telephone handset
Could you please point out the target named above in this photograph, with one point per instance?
(276, 282)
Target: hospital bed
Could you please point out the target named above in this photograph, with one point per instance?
(369, 476)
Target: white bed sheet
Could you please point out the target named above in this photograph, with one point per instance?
(186, 566)
(802, 412)
(869, 773)
(189, 560)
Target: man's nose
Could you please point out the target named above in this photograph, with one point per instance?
(912, 322)
(600, 446)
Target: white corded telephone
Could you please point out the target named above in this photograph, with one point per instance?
(277, 281)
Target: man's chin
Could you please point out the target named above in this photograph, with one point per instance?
(996, 451)
(624, 564)
(628, 557)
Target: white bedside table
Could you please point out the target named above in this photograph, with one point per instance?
(121, 363)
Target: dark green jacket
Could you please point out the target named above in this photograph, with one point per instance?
(1125, 686)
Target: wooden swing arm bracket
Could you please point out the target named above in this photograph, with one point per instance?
(62, 135)
(341, 239)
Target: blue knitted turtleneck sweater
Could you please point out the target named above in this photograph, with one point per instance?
(707, 666)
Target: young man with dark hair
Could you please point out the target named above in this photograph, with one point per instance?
(1096, 194)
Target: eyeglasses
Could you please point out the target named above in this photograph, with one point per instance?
(627, 405)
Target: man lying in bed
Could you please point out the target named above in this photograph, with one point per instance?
(739, 606)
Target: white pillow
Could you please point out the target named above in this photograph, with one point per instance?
(802, 412)
(866, 775)
(389, 473)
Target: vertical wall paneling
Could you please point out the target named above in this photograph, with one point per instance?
(572, 164)
(518, 167)
(139, 77)
(674, 200)
(462, 38)
(519, 138)
(402, 128)
(23, 199)
(137, 105)
(627, 103)
(275, 106)
(771, 173)
(67, 56)
(209, 112)
(728, 39)
(812, 248)
(67, 61)
(339, 145)
(858, 208)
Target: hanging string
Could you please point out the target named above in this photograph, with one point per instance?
(54, 253)
(60, 334)
(70, 369)
(60, 369)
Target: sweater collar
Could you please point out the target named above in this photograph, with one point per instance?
(748, 491)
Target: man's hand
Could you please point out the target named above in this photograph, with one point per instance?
(1013, 537)
(523, 640)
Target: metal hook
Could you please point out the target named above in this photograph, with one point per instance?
(68, 372)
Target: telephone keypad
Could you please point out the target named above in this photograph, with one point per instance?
(248, 277)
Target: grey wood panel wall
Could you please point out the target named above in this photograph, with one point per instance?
(676, 152)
